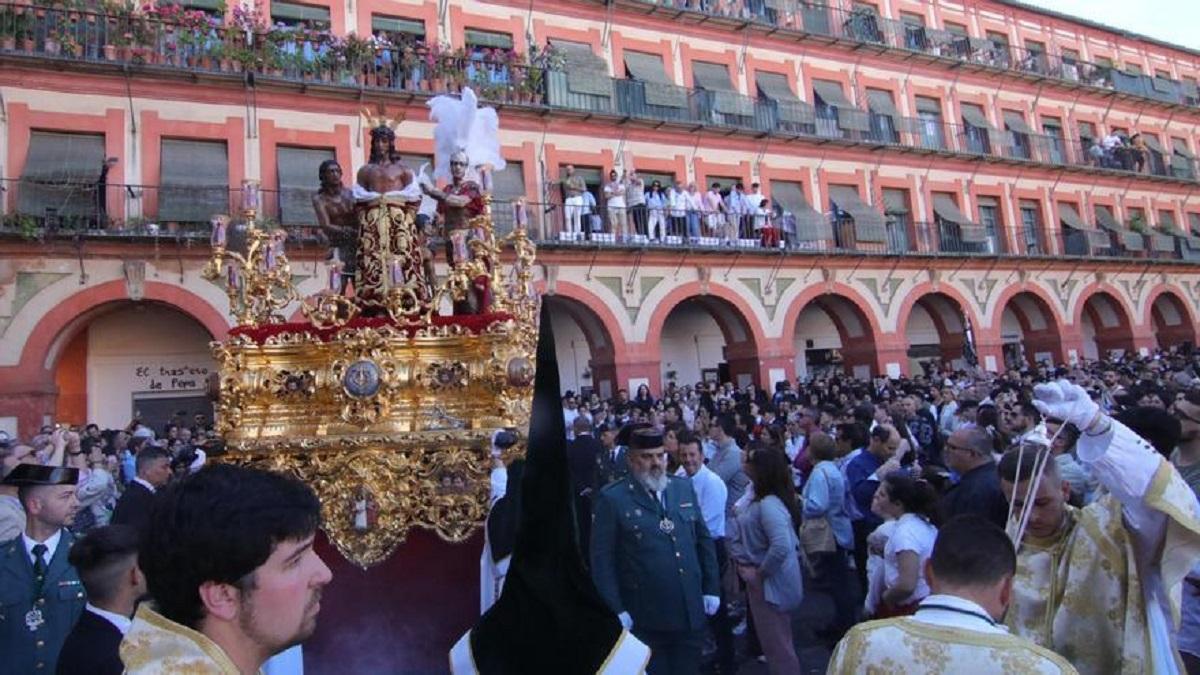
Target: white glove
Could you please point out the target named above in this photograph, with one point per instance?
(711, 604)
(1067, 402)
(423, 177)
(626, 620)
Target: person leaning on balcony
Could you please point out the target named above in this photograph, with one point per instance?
(573, 189)
(1113, 145)
(614, 199)
(1139, 152)
(695, 206)
(764, 222)
(635, 201)
(1095, 152)
(656, 203)
(677, 201)
(735, 205)
(714, 210)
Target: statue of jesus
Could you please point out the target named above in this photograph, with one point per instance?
(391, 253)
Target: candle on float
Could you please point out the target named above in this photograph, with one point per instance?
(485, 178)
(519, 215)
(218, 232)
(335, 276)
(234, 280)
(249, 195)
(397, 273)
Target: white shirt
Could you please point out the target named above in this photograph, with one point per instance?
(679, 203)
(712, 495)
(912, 533)
(119, 622)
(144, 483)
(793, 445)
(51, 546)
(569, 420)
(287, 662)
(951, 611)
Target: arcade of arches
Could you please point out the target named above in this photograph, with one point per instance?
(84, 363)
(707, 337)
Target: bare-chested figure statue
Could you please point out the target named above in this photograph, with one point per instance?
(334, 207)
(384, 171)
(391, 253)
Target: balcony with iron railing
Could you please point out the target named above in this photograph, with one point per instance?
(46, 210)
(65, 37)
(201, 44)
(865, 27)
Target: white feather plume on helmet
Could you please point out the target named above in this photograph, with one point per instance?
(462, 125)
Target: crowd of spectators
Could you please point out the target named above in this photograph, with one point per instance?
(635, 210)
(883, 462)
(109, 462)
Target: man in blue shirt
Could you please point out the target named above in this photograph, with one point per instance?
(863, 474)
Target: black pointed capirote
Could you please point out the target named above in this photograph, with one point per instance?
(549, 618)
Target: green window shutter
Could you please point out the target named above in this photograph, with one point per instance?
(394, 24)
(193, 180)
(298, 182)
(509, 184)
(60, 174)
(487, 38)
(294, 12)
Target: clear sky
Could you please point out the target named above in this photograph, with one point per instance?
(1176, 21)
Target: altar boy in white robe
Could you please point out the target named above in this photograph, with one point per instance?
(959, 628)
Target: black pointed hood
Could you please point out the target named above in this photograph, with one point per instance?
(549, 618)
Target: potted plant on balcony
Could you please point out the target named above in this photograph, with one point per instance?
(23, 224)
(1137, 223)
(408, 62)
(69, 45)
(358, 53)
(436, 67)
(241, 57)
(14, 26)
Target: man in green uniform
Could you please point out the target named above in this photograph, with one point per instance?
(41, 597)
(653, 559)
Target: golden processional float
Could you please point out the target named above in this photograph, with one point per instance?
(384, 401)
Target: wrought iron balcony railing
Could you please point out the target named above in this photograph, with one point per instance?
(866, 27)
(320, 59)
(40, 210)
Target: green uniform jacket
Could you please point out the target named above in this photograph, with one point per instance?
(656, 576)
(36, 651)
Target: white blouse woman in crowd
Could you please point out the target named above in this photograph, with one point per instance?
(912, 503)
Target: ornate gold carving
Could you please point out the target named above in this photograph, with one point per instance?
(287, 385)
(404, 487)
(390, 422)
(259, 283)
(328, 309)
(445, 376)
